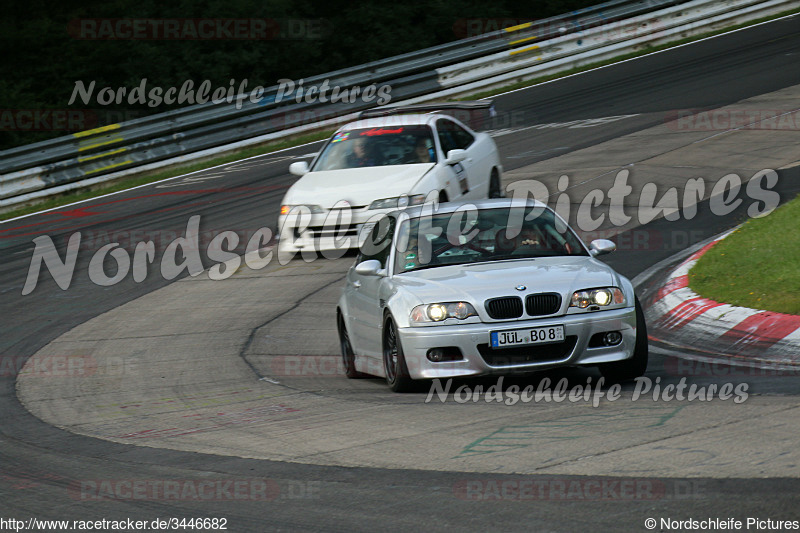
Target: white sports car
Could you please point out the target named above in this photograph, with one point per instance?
(497, 286)
(375, 165)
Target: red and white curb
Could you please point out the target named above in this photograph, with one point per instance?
(677, 315)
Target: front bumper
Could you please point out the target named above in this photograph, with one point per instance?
(318, 235)
(479, 359)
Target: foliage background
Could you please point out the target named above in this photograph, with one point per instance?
(42, 61)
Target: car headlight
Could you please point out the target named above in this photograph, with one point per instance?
(438, 312)
(315, 209)
(603, 297)
(398, 201)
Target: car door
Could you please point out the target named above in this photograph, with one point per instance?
(465, 181)
(483, 158)
(365, 293)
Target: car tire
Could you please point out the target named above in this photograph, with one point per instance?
(636, 366)
(394, 361)
(348, 356)
(495, 191)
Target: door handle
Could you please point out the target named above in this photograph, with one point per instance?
(356, 284)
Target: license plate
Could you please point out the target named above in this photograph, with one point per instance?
(522, 337)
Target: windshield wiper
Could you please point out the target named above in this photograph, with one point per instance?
(434, 265)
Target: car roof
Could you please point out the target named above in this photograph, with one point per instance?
(416, 119)
(452, 207)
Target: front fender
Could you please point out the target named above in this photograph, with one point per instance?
(400, 304)
(431, 181)
(627, 288)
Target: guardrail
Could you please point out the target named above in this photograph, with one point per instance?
(521, 52)
(603, 42)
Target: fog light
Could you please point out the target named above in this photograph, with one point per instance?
(436, 355)
(612, 338)
(444, 353)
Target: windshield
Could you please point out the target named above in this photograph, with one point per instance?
(474, 236)
(375, 147)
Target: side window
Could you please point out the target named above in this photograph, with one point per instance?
(445, 132)
(379, 242)
(452, 136)
(463, 137)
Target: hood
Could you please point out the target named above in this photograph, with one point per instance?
(359, 186)
(477, 283)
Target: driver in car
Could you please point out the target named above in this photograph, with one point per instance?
(361, 156)
(424, 150)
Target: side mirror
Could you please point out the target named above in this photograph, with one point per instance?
(299, 168)
(371, 267)
(601, 247)
(455, 156)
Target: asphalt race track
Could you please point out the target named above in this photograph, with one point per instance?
(349, 455)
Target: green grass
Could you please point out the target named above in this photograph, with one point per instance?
(127, 183)
(758, 266)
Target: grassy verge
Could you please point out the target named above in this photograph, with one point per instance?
(153, 176)
(756, 266)
(127, 183)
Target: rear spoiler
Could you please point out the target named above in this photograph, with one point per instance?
(475, 113)
(468, 105)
